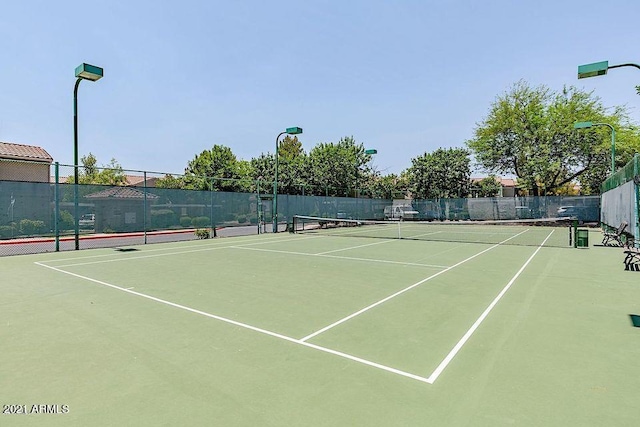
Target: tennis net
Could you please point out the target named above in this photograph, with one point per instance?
(551, 232)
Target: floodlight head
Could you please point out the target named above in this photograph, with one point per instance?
(89, 72)
(294, 130)
(593, 70)
(582, 125)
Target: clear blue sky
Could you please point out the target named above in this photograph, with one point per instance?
(404, 77)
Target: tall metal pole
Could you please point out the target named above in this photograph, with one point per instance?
(75, 165)
(258, 204)
(144, 208)
(613, 150)
(275, 188)
(613, 145)
(56, 196)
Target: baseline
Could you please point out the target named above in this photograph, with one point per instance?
(214, 243)
(208, 248)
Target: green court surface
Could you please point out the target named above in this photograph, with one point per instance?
(313, 330)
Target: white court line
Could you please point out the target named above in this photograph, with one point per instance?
(208, 248)
(214, 243)
(376, 243)
(381, 261)
(436, 373)
(382, 301)
(354, 247)
(246, 326)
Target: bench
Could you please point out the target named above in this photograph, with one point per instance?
(632, 259)
(614, 238)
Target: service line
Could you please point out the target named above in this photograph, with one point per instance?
(400, 292)
(436, 373)
(245, 326)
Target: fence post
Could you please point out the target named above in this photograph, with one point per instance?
(213, 225)
(56, 209)
(144, 209)
(636, 173)
(258, 205)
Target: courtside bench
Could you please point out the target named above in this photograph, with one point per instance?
(632, 259)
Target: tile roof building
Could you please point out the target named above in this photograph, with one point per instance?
(20, 162)
(31, 153)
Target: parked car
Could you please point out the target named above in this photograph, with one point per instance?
(401, 213)
(581, 213)
(87, 221)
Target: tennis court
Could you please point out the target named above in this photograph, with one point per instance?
(317, 329)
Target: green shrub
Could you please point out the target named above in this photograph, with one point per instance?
(185, 221)
(203, 233)
(201, 221)
(228, 217)
(253, 220)
(65, 222)
(163, 218)
(242, 219)
(31, 227)
(7, 231)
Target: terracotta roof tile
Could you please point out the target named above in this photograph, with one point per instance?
(120, 193)
(23, 152)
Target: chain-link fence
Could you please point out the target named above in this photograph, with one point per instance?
(43, 210)
(621, 199)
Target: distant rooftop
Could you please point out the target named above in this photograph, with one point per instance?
(505, 182)
(32, 153)
(120, 193)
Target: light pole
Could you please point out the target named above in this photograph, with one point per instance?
(586, 125)
(289, 131)
(356, 193)
(91, 73)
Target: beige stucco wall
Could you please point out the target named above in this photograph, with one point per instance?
(23, 171)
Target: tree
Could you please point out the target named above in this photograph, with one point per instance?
(627, 144)
(389, 186)
(291, 164)
(216, 169)
(443, 173)
(170, 181)
(529, 133)
(90, 173)
(337, 169)
(489, 187)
